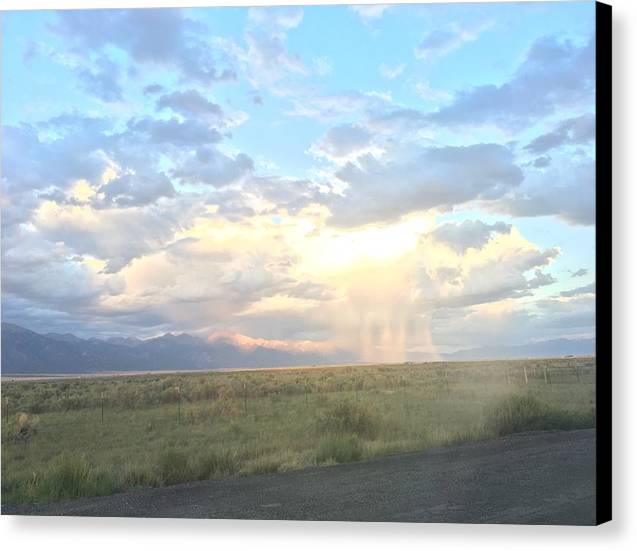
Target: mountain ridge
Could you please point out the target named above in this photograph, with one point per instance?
(27, 352)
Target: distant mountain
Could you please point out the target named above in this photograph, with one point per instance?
(28, 352)
(543, 349)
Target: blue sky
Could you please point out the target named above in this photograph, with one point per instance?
(270, 172)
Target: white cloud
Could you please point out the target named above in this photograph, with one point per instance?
(343, 142)
(575, 131)
(392, 71)
(426, 92)
(467, 234)
(369, 12)
(410, 179)
(322, 66)
(442, 41)
(555, 74)
(282, 17)
(565, 190)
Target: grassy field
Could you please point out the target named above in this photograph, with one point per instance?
(93, 436)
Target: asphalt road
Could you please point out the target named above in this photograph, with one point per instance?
(533, 478)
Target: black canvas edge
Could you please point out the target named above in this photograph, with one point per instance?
(603, 258)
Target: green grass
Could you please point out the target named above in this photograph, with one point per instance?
(54, 445)
(522, 413)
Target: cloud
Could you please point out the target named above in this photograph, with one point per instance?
(74, 152)
(467, 234)
(489, 275)
(322, 66)
(327, 107)
(414, 178)
(209, 166)
(159, 37)
(277, 18)
(369, 12)
(575, 131)
(542, 162)
(586, 289)
(114, 235)
(133, 190)
(153, 89)
(566, 191)
(392, 71)
(266, 57)
(190, 103)
(103, 80)
(341, 142)
(189, 132)
(555, 75)
(513, 322)
(579, 273)
(428, 93)
(440, 42)
(396, 122)
(540, 279)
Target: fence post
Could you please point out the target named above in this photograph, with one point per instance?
(546, 377)
(526, 377)
(577, 373)
(245, 399)
(6, 411)
(102, 405)
(447, 381)
(179, 405)
(506, 369)
(306, 402)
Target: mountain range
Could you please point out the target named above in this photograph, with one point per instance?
(27, 352)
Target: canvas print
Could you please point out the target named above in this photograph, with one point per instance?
(305, 262)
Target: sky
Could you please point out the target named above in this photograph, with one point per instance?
(394, 181)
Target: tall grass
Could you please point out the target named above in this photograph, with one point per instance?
(522, 413)
(339, 448)
(345, 417)
(63, 453)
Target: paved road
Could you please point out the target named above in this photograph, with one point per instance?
(536, 478)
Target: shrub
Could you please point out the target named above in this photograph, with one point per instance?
(134, 476)
(71, 477)
(520, 413)
(216, 463)
(173, 467)
(350, 418)
(263, 465)
(339, 448)
(24, 427)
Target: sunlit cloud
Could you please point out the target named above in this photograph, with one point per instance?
(226, 173)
